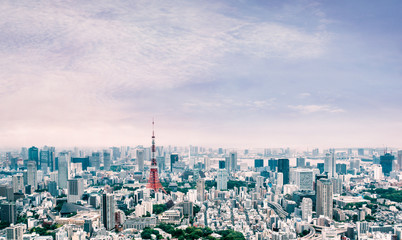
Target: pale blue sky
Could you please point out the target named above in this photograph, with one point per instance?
(213, 73)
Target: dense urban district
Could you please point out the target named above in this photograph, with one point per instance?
(200, 193)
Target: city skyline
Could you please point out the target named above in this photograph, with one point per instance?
(260, 74)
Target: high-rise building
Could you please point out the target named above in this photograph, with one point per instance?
(174, 158)
(222, 164)
(106, 160)
(259, 183)
(161, 163)
(140, 159)
(207, 163)
(200, 190)
(8, 213)
(188, 208)
(107, 211)
(377, 172)
(283, 167)
(15, 232)
(307, 209)
(360, 151)
(83, 160)
(341, 168)
(33, 154)
(362, 228)
(75, 189)
(18, 184)
(336, 185)
(64, 169)
(273, 164)
(44, 160)
(258, 163)
(95, 160)
(52, 188)
(386, 163)
(222, 179)
(32, 175)
(233, 161)
(324, 197)
(301, 162)
(400, 159)
(304, 179)
(330, 164)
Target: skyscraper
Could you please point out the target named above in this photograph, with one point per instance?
(44, 160)
(258, 163)
(174, 158)
(33, 154)
(307, 209)
(95, 160)
(15, 232)
(330, 164)
(222, 164)
(304, 179)
(273, 164)
(233, 161)
(200, 190)
(324, 197)
(75, 190)
(107, 211)
(222, 180)
(400, 159)
(32, 174)
(64, 168)
(300, 162)
(140, 159)
(386, 163)
(207, 163)
(283, 167)
(8, 213)
(18, 184)
(106, 160)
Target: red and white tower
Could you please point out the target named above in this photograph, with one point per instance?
(153, 182)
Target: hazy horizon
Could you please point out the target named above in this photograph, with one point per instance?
(236, 74)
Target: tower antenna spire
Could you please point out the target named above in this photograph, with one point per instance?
(153, 182)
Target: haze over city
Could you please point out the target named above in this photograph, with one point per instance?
(213, 73)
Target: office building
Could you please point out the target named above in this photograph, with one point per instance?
(32, 175)
(44, 160)
(200, 190)
(222, 164)
(33, 154)
(341, 168)
(233, 161)
(75, 189)
(161, 163)
(83, 160)
(259, 183)
(107, 211)
(386, 163)
(304, 179)
(140, 159)
(330, 164)
(272, 164)
(400, 159)
(95, 160)
(283, 167)
(377, 172)
(52, 188)
(324, 198)
(258, 163)
(188, 208)
(8, 213)
(107, 161)
(64, 169)
(222, 180)
(300, 162)
(174, 158)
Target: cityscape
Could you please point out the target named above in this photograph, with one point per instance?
(201, 120)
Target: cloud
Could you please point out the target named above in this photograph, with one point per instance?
(308, 109)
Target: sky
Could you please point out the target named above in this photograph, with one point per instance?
(212, 73)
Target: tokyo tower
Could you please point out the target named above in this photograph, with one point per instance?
(153, 182)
